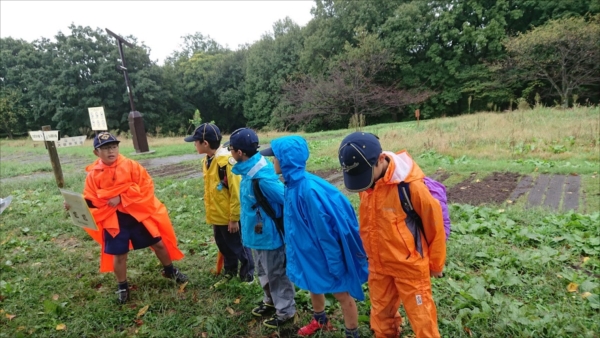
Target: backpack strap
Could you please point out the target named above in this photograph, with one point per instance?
(415, 223)
(261, 201)
(223, 176)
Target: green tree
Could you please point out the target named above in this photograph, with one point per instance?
(564, 53)
(11, 111)
(270, 62)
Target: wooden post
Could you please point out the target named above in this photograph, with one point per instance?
(58, 175)
(418, 116)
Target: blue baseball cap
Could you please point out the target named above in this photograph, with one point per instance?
(104, 138)
(205, 132)
(358, 155)
(244, 139)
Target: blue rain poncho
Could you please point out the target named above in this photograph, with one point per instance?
(324, 251)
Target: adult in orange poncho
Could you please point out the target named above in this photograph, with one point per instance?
(120, 193)
(402, 255)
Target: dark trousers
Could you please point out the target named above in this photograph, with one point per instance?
(230, 245)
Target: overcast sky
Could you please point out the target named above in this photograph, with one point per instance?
(159, 24)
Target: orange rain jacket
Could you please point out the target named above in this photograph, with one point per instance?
(128, 179)
(388, 242)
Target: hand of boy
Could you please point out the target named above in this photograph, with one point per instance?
(233, 227)
(436, 274)
(113, 202)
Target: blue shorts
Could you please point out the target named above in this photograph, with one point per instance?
(129, 230)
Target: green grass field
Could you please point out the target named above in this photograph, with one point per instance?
(511, 272)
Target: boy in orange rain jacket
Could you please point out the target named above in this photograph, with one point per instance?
(399, 266)
(120, 194)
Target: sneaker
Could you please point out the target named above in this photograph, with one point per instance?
(263, 309)
(276, 321)
(122, 296)
(313, 327)
(226, 278)
(249, 280)
(179, 277)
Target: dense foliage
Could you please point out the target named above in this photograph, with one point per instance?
(445, 57)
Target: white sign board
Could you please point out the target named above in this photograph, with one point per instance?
(37, 135)
(51, 135)
(97, 118)
(78, 209)
(70, 141)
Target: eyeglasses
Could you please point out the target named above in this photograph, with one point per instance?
(108, 148)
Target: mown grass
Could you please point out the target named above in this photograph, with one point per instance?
(510, 271)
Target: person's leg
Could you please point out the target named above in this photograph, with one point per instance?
(230, 262)
(350, 313)
(318, 302)
(233, 241)
(419, 306)
(118, 247)
(161, 252)
(120, 267)
(265, 307)
(282, 289)
(319, 321)
(385, 302)
(263, 279)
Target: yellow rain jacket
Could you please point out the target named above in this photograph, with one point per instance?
(222, 204)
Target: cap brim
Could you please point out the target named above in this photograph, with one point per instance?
(105, 143)
(359, 182)
(267, 152)
(226, 144)
(189, 139)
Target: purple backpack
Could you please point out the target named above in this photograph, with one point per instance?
(437, 190)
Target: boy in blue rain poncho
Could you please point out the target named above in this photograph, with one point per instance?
(260, 230)
(324, 250)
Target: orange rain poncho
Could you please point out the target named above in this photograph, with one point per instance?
(397, 271)
(128, 179)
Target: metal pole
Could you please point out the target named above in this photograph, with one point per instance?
(124, 69)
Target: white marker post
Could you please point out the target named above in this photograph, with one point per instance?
(70, 141)
(97, 118)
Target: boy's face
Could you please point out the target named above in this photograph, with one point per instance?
(108, 153)
(202, 147)
(236, 154)
(276, 165)
(380, 168)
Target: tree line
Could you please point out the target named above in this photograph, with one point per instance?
(378, 59)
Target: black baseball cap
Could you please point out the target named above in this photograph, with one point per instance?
(104, 138)
(205, 132)
(358, 155)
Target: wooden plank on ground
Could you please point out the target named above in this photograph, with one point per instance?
(554, 192)
(522, 188)
(537, 192)
(571, 200)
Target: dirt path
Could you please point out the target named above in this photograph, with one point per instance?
(554, 192)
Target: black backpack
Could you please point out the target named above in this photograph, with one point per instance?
(261, 201)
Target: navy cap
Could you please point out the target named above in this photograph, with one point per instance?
(244, 139)
(205, 132)
(358, 155)
(267, 152)
(104, 138)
